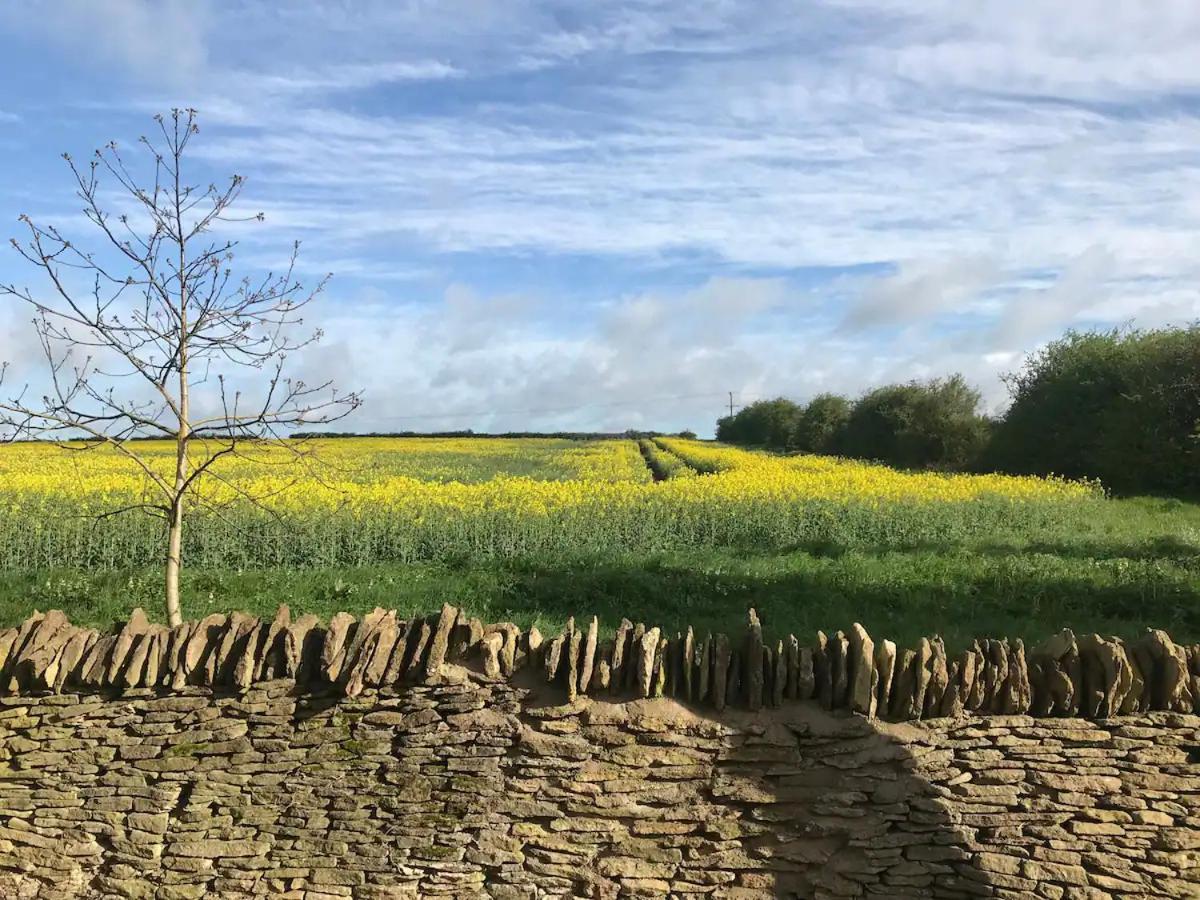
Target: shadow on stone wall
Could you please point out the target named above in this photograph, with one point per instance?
(498, 789)
(443, 757)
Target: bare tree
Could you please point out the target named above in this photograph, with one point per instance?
(142, 334)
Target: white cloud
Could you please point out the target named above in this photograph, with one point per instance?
(920, 289)
(346, 77)
(161, 40)
(1016, 167)
(1082, 284)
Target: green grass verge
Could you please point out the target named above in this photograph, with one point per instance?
(1134, 563)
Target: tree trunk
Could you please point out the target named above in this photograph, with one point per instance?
(174, 560)
(184, 434)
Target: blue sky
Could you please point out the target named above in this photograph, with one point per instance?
(582, 215)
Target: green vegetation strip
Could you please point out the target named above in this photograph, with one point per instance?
(1127, 565)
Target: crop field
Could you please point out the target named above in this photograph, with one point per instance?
(538, 529)
(356, 502)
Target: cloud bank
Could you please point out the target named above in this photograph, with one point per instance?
(547, 215)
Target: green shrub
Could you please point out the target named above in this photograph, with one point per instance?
(1121, 406)
(932, 424)
(765, 423)
(820, 424)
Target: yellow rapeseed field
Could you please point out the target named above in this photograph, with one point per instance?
(364, 500)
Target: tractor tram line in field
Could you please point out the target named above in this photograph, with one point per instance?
(412, 499)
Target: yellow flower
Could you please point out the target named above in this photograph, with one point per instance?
(361, 500)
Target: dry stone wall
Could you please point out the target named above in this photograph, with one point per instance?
(1092, 676)
(371, 758)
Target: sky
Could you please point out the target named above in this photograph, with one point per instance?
(550, 215)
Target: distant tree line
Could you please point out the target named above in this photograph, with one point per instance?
(628, 434)
(1122, 406)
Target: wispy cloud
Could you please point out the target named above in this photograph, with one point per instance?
(312, 80)
(553, 197)
(164, 41)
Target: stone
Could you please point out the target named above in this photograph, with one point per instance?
(246, 656)
(296, 637)
(792, 668)
(673, 666)
(903, 704)
(219, 849)
(490, 647)
(177, 671)
(822, 671)
(939, 679)
(733, 678)
(71, 658)
(1171, 688)
(621, 652)
(720, 670)
(439, 641)
(42, 662)
(1060, 690)
(26, 628)
(661, 665)
(574, 648)
(1020, 694)
(951, 706)
(1074, 671)
(511, 644)
(974, 688)
(527, 649)
(1124, 683)
(633, 651)
(394, 669)
(41, 645)
(885, 670)
(806, 683)
(992, 673)
(752, 662)
(533, 641)
(374, 654)
(271, 662)
(223, 663)
(379, 655)
(201, 642)
(864, 680)
(1141, 662)
(154, 666)
(688, 668)
(8, 637)
(1055, 690)
(779, 674)
(468, 632)
(921, 676)
(1092, 699)
(1001, 699)
(1058, 645)
(333, 653)
(417, 643)
(839, 652)
(134, 628)
(588, 661)
(553, 657)
(644, 664)
(603, 675)
(511, 651)
(95, 661)
(704, 669)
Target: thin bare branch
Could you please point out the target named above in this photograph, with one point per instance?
(134, 329)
